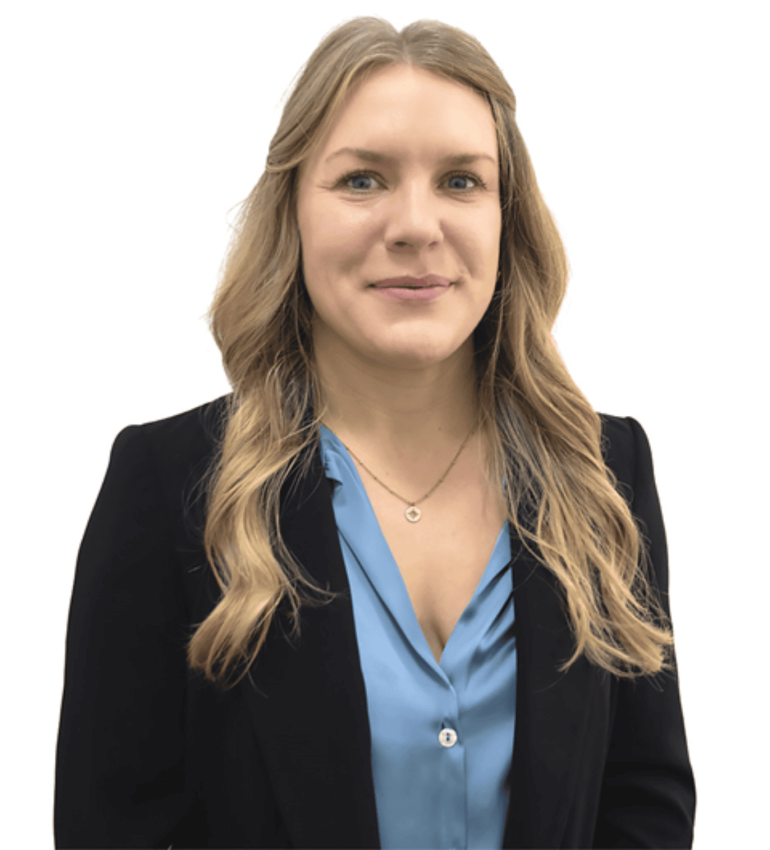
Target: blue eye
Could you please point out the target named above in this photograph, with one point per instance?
(462, 177)
(360, 182)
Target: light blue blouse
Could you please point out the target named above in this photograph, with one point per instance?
(442, 734)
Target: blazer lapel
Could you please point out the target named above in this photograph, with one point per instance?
(556, 713)
(308, 699)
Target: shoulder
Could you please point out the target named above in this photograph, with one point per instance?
(197, 428)
(627, 454)
(626, 449)
(169, 456)
(182, 440)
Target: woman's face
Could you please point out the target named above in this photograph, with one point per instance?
(399, 218)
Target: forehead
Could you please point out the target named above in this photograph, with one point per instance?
(402, 109)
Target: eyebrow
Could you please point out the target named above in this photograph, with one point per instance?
(376, 157)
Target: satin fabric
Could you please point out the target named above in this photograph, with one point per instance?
(429, 794)
(150, 754)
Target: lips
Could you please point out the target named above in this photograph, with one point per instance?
(428, 280)
(413, 290)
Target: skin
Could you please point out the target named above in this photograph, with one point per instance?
(398, 376)
(412, 214)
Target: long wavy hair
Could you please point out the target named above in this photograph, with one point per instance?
(543, 437)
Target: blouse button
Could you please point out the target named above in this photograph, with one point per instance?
(447, 737)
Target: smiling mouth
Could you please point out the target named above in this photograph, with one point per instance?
(429, 281)
(413, 291)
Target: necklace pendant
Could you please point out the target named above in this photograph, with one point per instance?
(413, 513)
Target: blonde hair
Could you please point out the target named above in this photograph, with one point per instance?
(544, 438)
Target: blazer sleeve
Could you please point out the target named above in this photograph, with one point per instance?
(120, 751)
(648, 791)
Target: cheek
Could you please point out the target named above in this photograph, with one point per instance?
(332, 230)
(491, 249)
(478, 246)
(330, 257)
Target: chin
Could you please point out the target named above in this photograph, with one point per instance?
(421, 356)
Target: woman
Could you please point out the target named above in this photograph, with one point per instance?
(403, 587)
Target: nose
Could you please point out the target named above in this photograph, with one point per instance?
(413, 219)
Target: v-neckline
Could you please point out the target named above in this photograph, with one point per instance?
(392, 589)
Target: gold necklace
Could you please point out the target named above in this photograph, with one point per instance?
(412, 513)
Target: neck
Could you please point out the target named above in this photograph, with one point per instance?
(368, 401)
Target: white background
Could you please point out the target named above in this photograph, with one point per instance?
(132, 130)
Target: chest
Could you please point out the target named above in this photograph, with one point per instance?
(442, 557)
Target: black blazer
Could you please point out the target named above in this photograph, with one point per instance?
(149, 755)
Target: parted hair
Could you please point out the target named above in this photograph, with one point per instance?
(543, 437)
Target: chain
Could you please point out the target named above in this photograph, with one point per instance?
(413, 513)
